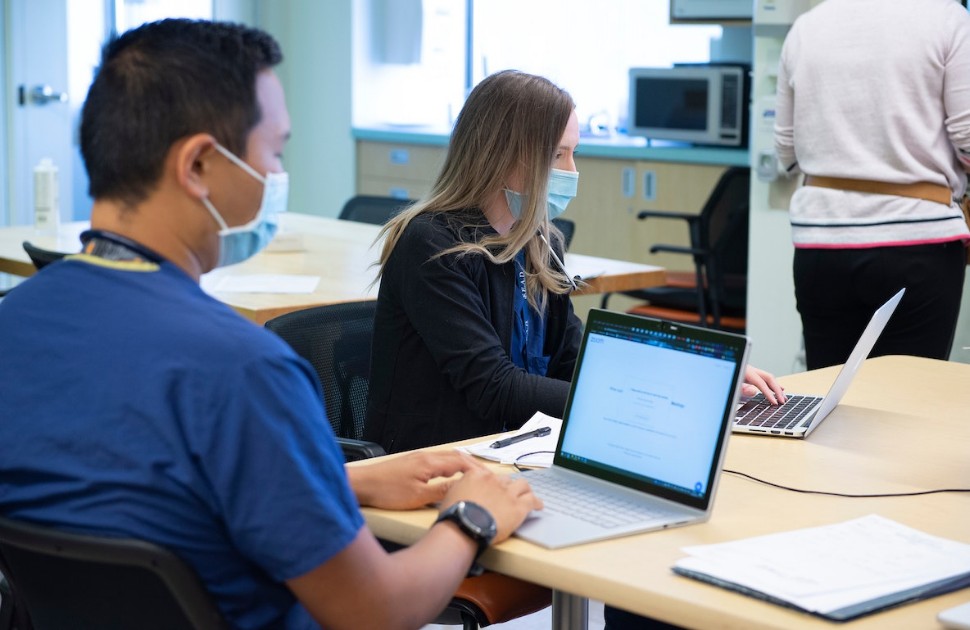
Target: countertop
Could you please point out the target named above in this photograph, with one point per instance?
(616, 147)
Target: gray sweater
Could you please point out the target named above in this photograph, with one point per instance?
(876, 90)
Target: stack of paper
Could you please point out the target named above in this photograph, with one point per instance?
(533, 453)
(260, 283)
(837, 571)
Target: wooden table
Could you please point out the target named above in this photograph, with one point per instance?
(903, 426)
(341, 253)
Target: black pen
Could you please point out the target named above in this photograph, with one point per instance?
(515, 439)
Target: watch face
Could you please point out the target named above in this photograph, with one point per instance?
(479, 518)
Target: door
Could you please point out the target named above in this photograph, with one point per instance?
(54, 47)
(38, 110)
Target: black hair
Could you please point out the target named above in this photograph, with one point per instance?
(164, 81)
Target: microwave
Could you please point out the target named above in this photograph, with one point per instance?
(704, 104)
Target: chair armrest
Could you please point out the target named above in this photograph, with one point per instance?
(354, 450)
(678, 249)
(664, 214)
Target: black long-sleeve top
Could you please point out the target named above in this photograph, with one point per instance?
(440, 366)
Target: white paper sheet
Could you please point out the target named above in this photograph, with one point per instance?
(509, 454)
(260, 283)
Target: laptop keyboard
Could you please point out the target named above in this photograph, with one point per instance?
(758, 412)
(588, 503)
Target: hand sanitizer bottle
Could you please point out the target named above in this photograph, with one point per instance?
(47, 208)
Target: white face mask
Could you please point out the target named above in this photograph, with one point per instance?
(241, 242)
(561, 189)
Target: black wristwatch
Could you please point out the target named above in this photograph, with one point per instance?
(475, 522)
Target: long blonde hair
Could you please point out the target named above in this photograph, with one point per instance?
(512, 122)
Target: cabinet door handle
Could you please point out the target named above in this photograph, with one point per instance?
(628, 180)
(650, 185)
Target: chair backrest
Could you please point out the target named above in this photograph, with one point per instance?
(724, 233)
(336, 340)
(63, 580)
(372, 209)
(567, 227)
(41, 257)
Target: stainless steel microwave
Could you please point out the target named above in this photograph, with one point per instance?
(701, 104)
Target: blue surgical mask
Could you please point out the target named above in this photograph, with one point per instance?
(242, 242)
(563, 186)
(560, 191)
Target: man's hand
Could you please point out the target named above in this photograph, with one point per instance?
(508, 501)
(410, 481)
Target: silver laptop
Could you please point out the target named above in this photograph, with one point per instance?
(801, 414)
(644, 431)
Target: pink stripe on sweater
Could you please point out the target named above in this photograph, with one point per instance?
(948, 239)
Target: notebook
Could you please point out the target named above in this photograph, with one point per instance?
(644, 431)
(801, 414)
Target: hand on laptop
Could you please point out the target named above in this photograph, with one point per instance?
(508, 500)
(410, 481)
(756, 380)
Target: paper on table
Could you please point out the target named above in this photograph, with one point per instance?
(509, 454)
(261, 283)
(828, 568)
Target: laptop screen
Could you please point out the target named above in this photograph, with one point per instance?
(651, 404)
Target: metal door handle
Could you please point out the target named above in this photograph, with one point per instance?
(42, 95)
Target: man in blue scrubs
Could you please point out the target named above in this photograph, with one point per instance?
(133, 404)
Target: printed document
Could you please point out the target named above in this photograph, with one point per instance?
(841, 570)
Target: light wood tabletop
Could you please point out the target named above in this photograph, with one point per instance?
(903, 426)
(341, 253)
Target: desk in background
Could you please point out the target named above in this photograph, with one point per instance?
(341, 253)
(903, 426)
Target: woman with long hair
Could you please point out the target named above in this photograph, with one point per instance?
(474, 330)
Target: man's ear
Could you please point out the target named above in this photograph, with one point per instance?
(192, 161)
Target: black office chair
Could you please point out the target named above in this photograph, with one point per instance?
(336, 340)
(63, 580)
(715, 294)
(6, 604)
(41, 257)
(372, 209)
(568, 229)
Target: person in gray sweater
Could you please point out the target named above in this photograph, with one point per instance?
(873, 105)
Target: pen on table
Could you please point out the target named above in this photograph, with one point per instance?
(515, 439)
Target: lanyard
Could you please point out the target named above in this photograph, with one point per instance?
(111, 246)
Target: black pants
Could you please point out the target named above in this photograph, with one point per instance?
(838, 290)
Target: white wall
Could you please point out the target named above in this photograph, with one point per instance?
(773, 322)
(4, 121)
(316, 74)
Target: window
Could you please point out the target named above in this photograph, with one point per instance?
(584, 46)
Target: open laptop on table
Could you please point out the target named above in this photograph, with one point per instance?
(801, 414)
(644, 431)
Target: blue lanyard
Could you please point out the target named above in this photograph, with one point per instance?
(528, 327)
